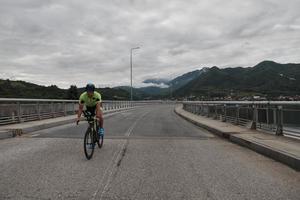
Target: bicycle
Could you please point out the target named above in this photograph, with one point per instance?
(91, 136)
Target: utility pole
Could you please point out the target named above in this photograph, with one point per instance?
(131, 71)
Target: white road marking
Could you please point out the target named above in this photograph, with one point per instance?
(112, 161)
(113, 168)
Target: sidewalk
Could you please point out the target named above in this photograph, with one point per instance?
(12, 130)
(279, 148)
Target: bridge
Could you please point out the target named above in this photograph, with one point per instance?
(150, 151)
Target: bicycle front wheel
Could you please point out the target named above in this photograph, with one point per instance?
(99, 138)
(100, 141)
(89, 144)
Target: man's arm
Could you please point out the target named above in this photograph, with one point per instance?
(99, 113)
(81, 106)
(79, 112)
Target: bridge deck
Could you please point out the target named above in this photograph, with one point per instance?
(165, 157)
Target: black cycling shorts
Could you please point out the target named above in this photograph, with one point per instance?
(92, 110)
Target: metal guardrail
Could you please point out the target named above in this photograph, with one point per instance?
(278, 117)
(22, 110)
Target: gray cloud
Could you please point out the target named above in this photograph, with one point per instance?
(74, 42)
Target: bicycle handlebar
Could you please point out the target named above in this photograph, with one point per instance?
(88, 115)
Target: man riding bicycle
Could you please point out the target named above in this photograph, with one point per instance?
(93, 103)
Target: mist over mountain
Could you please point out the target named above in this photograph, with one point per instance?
(157, 81)
(174, 84)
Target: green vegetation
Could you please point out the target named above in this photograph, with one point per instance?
(22, 89)
(268, 78)
(72, 92)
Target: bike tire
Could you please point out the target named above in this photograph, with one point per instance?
(100, 142)
(89, 140)
(99, 138)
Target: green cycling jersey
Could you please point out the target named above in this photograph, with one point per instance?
(90, 101)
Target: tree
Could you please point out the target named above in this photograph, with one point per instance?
(72, 92)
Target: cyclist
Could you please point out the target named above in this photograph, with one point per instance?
(93, 103)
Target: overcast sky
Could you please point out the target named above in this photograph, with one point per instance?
(75, 41)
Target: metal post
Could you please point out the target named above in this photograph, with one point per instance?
(274, 117)
(255, 117)
(39, 110)
(13, 116)
(268, 121)
(131, 98)
(19, 112)
(208, 110)
(225, 114)
(52, 109)
(216, 112)
(279, 130)
(130, 74)
(237, 119)
(65, 109)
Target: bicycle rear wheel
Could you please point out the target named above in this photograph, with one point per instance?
(89, 144)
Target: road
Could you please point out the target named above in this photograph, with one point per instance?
(148, 153)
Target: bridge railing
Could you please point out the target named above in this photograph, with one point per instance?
(278, 117)
(14, 110)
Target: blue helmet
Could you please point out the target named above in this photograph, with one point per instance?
(90, 87)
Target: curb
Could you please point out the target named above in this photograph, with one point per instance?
(213, 130)
(275, 154)
(5, 134)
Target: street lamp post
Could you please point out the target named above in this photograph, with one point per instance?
(131, 70)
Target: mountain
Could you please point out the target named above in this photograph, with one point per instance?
(268, 78)
(111, 93)
(177, 82)
(186, 78)
(22, 89)
(147, 93)
(154, 91)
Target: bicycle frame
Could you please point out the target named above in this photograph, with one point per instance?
(93, 132)
(92, 120)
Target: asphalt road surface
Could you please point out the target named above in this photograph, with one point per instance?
(148, 153)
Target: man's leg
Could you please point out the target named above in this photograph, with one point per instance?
(99, 115)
